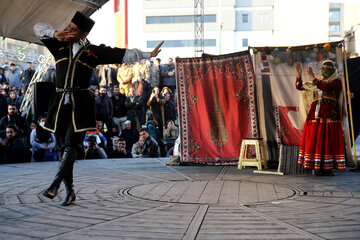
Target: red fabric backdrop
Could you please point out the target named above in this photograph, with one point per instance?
(217, 106)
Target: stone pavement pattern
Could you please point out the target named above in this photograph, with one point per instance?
(144, 199)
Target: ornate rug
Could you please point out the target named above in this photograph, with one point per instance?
(217, 107)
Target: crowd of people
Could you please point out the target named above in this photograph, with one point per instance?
(135, 111)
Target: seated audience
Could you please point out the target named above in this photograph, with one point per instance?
(113, 132)
(130, 134)
(153, 130)
(93, 150)
(13, 117)
(12, 148)
(151, 147)
(43, 143)
(171, 133)
(121, 151)
(137, 148)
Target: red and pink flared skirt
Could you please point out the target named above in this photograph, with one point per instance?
(322, 146)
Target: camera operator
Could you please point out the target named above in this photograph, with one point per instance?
(93, 150)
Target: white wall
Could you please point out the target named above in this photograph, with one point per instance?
(300, 22)
(104, 28)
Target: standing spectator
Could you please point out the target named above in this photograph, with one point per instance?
(143, 89)
(13, 77)
(13, 149)
(160, 67)
(119, 110)
(13, 118)
(50, 75)
(3, 104)
(113, 69)
(154, 74)
(27, 75)
(43, 143)
(168, 74)
(121, 151)
(156, 103)
(130, 134)
(134, 107)
(169, 109)
(2, 75)
(104, 107)
(151, 147)
(124, 77)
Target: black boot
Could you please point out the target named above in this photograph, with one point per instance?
(51, 192)
(69, 156)
(69, 197)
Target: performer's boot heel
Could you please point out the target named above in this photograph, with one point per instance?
(70, 195)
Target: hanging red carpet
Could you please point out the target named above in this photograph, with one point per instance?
(217, 107)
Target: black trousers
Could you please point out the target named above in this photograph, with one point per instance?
(69, 147)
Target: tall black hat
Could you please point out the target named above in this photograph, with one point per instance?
(83, 22)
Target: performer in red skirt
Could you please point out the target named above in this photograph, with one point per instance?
(322, 144)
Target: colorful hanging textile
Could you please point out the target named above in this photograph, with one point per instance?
(217, 107)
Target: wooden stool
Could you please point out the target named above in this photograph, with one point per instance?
(259, 151)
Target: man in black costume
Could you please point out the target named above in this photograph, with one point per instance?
(72, 108)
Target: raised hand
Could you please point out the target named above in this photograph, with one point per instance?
(64, 36)
(311, 73)
(156, 50)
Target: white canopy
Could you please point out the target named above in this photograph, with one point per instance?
(17, 17)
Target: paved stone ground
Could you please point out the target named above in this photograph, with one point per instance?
(144, 199)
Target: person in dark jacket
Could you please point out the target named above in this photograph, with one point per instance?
(120, 151)
(130, 134)
(151, 148)
(169, 108)
(156, 103)
(12, 148)
(27, 75)
(168, 75)
(119, 110)
(3, 105)
(104, 107)
(134, 108)
(72, 108)
(2, 76)
(13, 117)
(142, 89)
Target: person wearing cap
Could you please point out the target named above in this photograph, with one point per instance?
(322, 144)
(71, 109)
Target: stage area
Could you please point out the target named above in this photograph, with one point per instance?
(144, 199)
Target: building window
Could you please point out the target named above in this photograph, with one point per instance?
(245, 18)
(180, 43)
(177, 19)
(334, 27)
(245, 42)
(334, 14)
